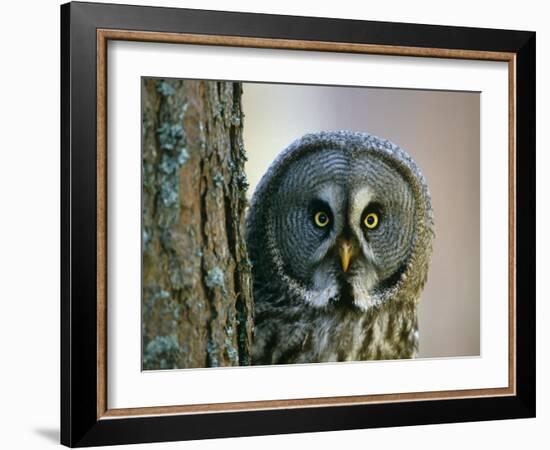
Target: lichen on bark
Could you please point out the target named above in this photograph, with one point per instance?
(197, 301)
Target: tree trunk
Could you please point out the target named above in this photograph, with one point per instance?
(197, 300)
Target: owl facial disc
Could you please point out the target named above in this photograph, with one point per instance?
(339, 221)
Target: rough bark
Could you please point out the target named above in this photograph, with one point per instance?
(197, 300)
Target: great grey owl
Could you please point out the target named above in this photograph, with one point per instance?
(340, 232)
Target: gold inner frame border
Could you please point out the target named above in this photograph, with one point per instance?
(103, 36)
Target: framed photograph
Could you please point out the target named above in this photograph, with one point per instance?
(277, 224)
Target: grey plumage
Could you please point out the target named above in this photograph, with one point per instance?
(339, 232)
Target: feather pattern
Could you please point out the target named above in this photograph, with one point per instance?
(307, 308)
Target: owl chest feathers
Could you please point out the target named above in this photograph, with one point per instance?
(334, 334)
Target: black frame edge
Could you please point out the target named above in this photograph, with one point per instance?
(233, 23)
(79, 425)
(79, 231)
(525, 223)
(65, 416)
(301, 420)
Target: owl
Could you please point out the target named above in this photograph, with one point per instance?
(339, 232)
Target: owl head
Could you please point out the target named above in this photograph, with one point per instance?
(341, 220)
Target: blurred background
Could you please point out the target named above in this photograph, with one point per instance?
(440, 130)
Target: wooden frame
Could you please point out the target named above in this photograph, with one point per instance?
(86, 418)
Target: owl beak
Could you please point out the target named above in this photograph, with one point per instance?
(345, 254)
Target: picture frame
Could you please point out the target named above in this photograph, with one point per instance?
(86, 29)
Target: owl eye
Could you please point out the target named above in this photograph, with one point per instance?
(321, 219)
(371, 220)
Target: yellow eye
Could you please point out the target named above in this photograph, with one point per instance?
(321, 219)
(371, 220)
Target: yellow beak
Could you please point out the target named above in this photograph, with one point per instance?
(345, 254)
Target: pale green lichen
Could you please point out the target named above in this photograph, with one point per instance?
(231, 351)
(172, 142)
(215, 278)
(169, 135)
(161, 294)
(165, 88)
(162, 352)
(212, 354)
(235, 120)
(218, 179)
(182, 156)
(146, 239)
